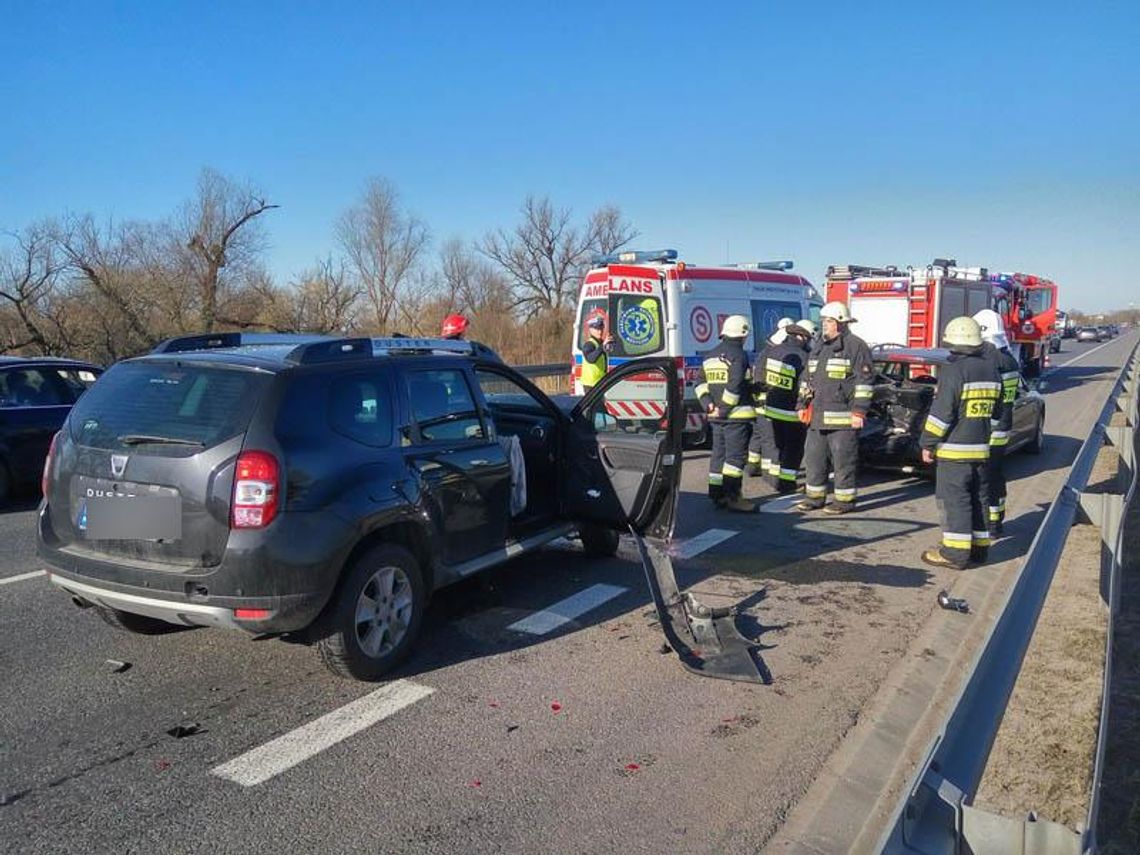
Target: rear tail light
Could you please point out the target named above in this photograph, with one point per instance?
(46, 477)
(680, 362)
(251, 614)
(257, 486)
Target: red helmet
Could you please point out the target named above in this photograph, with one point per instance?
(454, 326)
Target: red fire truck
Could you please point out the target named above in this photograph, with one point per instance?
(910, 306)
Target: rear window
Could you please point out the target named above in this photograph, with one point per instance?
(172, 401)
(633, 320)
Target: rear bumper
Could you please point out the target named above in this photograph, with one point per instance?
(290, 575)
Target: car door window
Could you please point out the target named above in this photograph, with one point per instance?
(443, 407)
(636, 405)
(501, 391)
(31, 387)
(360, 409)
(75, 381)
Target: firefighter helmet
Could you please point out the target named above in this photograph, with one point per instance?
(993, 330)
(735, 326)
(454, 326)
(837, 312)
(963, 332)
(803, 328)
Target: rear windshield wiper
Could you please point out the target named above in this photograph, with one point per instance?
(146, 439)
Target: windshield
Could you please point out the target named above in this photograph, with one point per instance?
(1040, 300)
(167, 402)
(634, 321)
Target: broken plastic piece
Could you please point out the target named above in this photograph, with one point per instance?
(181, 731)
(556, 707)
(954, 604)
(118, 666)
(631, 767)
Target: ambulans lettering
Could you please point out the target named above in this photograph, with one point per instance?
(620, 286)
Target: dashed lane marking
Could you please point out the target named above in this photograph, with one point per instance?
(1081, 356)
(704, 540)
(564, 611)
(283, 753)
(8, 580)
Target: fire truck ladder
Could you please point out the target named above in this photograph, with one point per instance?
(919, 305)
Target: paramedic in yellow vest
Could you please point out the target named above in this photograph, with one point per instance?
(595, 359)
(725, 393)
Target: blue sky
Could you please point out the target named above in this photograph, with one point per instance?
(1002, 134)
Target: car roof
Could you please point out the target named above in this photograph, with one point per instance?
(915, 355)
(275, 352)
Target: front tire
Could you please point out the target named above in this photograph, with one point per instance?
(1038, 443)
(597, 541)
(375, 616)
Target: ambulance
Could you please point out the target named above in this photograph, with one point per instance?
(656, 305)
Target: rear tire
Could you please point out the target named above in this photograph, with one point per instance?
(597, 541)
(136, 624)
(375, 616)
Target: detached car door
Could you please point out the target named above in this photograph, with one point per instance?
(622, 461)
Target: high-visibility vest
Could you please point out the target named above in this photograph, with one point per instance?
(593, 372)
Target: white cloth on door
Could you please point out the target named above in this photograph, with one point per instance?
(513, 449)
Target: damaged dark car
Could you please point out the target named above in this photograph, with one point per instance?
(905, 382)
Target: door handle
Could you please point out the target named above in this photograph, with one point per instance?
(480, 462)
(537, 432)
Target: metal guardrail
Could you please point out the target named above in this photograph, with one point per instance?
(933, 816)
(552, 369)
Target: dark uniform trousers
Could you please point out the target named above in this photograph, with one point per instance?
(996, 490)
(762, 447)
(960, 489)
(790, 438)
(730, 440)
(840, 449)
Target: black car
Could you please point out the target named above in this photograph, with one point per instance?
(36, 394)
(324, 488)
(904, 390)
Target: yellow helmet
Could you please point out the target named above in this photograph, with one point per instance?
(735, 326)
(837, 312)
(963, 332)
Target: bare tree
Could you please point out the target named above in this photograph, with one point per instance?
(383, 245)
(221, 235)
(546, 255)
(29, 273)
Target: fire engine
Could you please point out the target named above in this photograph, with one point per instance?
(910, 306)
(656, 305)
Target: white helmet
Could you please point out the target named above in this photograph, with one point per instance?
(735, 326)
(837, 312)
(993, 330)
(783, 322)
(805, 326)
(963, 332)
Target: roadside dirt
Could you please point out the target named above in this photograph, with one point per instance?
(1042, 759)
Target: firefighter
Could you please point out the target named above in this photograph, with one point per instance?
(835, 394)
(595, 353)
(957, 436)
(454, 327)
(725, 393)
(762, 447)
(995, 346)
(781, 369)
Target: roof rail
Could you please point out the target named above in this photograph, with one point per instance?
(854, 271)
(634, 257)
(763, 265)
(212, 341)
(330, 350)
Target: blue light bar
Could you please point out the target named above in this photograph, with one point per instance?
(635, 257)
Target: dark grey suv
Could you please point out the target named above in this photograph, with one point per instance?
(323, 488)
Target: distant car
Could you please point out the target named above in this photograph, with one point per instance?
(1088, 334)
(1055, 342)
(1103, 333)
(904, 389)
(36, 394)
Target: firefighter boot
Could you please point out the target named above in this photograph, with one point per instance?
(979, 554)
(810, 504)
(935, 558)
(838, 507)
(739, 504)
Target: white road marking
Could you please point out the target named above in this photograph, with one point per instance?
(1077, 359)
(564, 611)
(286, 751)
(8, 580)
(781, 505)
(704, 540)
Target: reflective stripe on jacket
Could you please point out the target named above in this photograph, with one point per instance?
(967, 403)
(1010, 374)
(726, 380)
(838, 381)
(594, 362)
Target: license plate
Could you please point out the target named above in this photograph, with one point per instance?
(128, 512)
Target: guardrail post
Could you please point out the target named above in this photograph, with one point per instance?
(1122, 437)
(1106, 512)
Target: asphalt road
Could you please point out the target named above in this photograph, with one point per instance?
(574, 736)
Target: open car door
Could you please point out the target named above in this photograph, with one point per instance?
(622, 470)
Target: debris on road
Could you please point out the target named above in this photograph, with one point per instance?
(555, 707)
(161, 764)
(118, 666)
(181, 731)
(954, 604)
